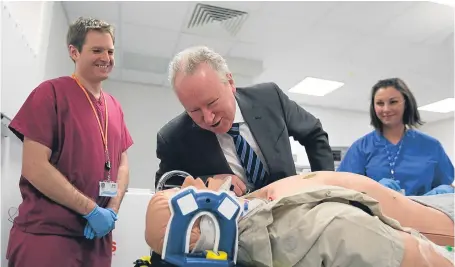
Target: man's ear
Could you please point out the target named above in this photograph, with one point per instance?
(231, 81)
(73, 52)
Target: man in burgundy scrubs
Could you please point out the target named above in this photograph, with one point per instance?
(74, 168)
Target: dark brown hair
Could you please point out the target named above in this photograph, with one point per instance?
(411, 115)
(78, 30)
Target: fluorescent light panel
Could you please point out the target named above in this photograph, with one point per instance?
(315, 86)
(442, 106)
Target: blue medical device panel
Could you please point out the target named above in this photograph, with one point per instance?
(187, 204)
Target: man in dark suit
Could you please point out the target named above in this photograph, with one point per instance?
(240, 132)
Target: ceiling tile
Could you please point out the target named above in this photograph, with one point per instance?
(252, 30)
(320, 41)
(146, 63)
(142, 77)
(161, 14)
(108, 11)
(374, 49)
(245, 67)
(247, 50)
(148, 40)
(363, 16)
(439, 37)
(215, 30)
(219, 46)
(420, 22)
(269, 22)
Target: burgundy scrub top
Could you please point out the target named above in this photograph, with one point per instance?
(58, 115)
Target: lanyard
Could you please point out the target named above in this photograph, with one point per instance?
(392, 162)
(103, 133)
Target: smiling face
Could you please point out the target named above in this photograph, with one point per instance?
(208, 100)
(389, 106)
(96, 58)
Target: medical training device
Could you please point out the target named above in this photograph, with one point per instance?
(166, 176)
(186, 207)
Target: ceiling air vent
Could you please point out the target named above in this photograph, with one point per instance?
(231, 20)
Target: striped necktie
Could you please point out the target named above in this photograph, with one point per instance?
(251, 163)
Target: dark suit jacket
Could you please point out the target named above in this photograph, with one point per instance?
(271, 116)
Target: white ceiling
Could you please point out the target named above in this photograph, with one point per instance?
(357, 43)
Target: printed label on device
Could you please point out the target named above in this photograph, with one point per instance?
(108, 189)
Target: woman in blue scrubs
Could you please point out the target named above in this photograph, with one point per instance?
(395, 154)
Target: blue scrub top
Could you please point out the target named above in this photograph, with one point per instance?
(421, 165)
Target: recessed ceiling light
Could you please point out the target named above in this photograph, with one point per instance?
(315, 87)
(442, 106)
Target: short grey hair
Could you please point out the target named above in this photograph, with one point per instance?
(189, 59)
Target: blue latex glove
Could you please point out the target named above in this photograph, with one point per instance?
(100, 222)
(89, 233)
(442, 189)
(390, 183)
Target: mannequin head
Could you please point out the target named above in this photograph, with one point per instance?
(158, 213)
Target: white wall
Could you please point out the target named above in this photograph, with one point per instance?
(148, 108)
(343, 128)
(58, 63)
(19, 53)
(29, 17)
(444, 132)
(33, 46)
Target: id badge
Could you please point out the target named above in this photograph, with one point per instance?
(108, 189)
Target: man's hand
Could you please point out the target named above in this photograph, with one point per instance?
(101, 221)
(239, 185)
(90, 233)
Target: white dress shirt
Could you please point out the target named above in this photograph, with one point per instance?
(227, 145)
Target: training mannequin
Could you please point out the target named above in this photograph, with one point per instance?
(432, 223)
(393, 205)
